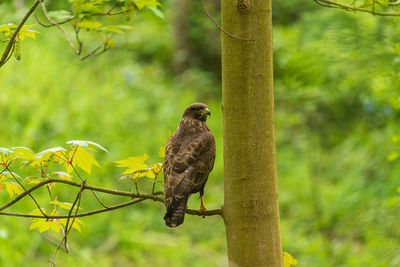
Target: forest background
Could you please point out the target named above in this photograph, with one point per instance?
(337, 106)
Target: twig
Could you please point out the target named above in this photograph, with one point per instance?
(23, 187)
(86, 186)
(219, 27)
(52, 25)
(77, 199)
(10, 44)
(71, 44)
(334, 4)
(55, 208)
(138, 198)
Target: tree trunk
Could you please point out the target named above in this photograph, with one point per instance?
(251, 209)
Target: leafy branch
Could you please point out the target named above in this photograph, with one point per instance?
(81, 15)
(77, 156)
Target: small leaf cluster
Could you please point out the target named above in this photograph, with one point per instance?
(78, 155)
(7, 30)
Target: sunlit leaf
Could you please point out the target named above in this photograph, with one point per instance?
(13, 188)
(76, 223)
(23, 153)
(81, 158)
(55, 154)
(31, 180)
(156, 11)
(6, 174)
(62, 175)
(63, 205)
(142, 3)
(60, 14)
(43, 224)
(85, 144)
(288, 260)
(133, 164)
(89, 24)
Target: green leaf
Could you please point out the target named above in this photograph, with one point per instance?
(142, 3)
(55, 154)
(156, 11)
(119, 29)
(133, 164)
(23, 153)
(26, 32)
(81, 158)
(60, 15)
(76, 224)
(13, 188)
(85, 144)
(44, 225)
(89, 24)
(6, 174)
(31, 180)
(63, 205)
(62, 175)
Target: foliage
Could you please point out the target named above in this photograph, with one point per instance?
(336, 80)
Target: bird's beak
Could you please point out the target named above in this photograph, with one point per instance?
(207, 111)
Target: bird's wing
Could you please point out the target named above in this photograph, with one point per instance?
(187, 166)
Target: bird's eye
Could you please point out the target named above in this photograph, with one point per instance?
(193, 108)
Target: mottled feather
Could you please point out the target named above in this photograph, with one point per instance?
(189, 159)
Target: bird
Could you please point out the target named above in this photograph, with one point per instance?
(189, 159)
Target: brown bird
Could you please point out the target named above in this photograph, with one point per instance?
(189, 159)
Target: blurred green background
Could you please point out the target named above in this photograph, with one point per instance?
(337, 114)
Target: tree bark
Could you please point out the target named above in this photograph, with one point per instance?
(251, 211)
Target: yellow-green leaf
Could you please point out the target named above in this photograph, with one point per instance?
(133, 164)
(288, 260)
(31, 180)
(89, 24)
(55, 154)
(142, 3)
(23, 153)
(13, 188)
(82, 158)
(76, 224)
(85, 144)
(63, 205)
(44, 225)
(62, 175)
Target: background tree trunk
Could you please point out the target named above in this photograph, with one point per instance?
(251, 209)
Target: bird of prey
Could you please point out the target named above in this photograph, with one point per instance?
(189, 159)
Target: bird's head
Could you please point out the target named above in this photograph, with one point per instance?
(197, 111)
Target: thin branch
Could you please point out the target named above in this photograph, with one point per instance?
(23, 187)
(71, 44)
(394, 3)
(10, 44)
(52, 25)
(83, 214)
(77, 173)
(77, 199)
(219, 27)
(86, 186)
(115, 207)
(55, 208)
(138, 198)
(334, 4)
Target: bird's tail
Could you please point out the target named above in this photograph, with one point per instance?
(175, 212)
